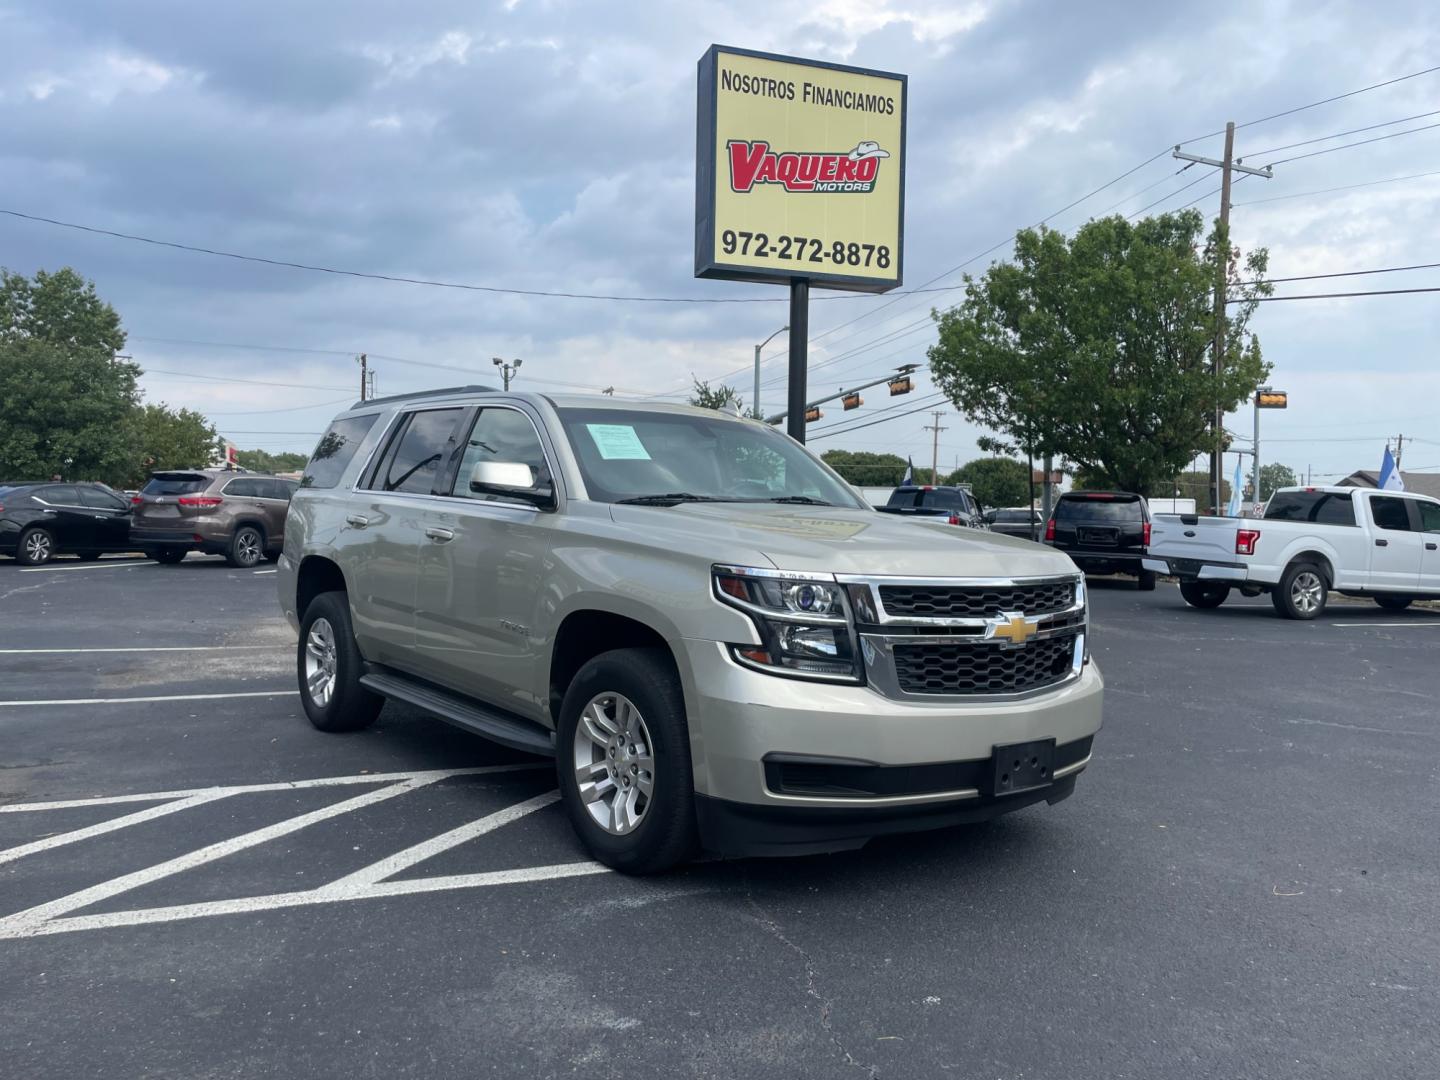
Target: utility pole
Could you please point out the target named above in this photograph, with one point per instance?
(1399, 449)
(364, 375)
(935, 445)
(1227, 165)
(507, 371)
(371, 387)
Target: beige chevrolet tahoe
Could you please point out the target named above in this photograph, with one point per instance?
(718, 641)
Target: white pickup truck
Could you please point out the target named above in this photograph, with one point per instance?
(1357, 541)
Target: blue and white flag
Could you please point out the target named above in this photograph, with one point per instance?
(1232, 509)
(1390, 479)
(909, 478)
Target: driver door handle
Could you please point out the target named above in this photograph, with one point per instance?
(1382, 543)
(439, 535)
(360, 521)
(1431, 547)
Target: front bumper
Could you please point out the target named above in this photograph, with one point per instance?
(1093, 562)
(739, 717)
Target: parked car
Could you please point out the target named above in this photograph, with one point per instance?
(1384, 545)
(717, 640)
(1104, 532)
(1018, 521)
(240, 515)
(955, 504)
(41, 520)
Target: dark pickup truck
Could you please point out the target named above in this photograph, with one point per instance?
(1104, 532)
(954, 503)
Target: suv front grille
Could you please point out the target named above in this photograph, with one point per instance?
(976, 601)
(983, 668)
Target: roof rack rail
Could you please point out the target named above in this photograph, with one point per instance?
(444, 391)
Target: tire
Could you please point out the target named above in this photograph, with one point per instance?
(1394, 603)
(641, 838)
(1147, 581)
(36, 547)
(247, 547)
(272, 556)
(1302, 593)
(1199, 594)
(169, 555)
(327, 646)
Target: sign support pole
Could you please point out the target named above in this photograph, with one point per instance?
(799, 367)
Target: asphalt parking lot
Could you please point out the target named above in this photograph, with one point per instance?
(193, 882)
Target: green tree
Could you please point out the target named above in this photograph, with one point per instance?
(65, 400)
(1098, 348)
(170, 439)
(1275, 476)
(1195, 484)
(260, 461)
(866, 469)
(706, 397)
(995, 481)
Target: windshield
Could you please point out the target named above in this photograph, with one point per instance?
(630, 455)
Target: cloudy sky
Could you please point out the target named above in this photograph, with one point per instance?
(550, 146)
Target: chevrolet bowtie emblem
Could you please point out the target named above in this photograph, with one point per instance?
(1012, 627)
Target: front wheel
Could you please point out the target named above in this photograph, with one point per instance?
(247, 547)
(1302, 592)
(329, 665)
(37, 547)
(623, 759)
(1203, 594)
(1394, 603)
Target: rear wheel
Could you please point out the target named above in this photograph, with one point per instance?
(1302, 592)
(623, 759)
(169, 555)
(1147, 581)
(36, 548)
(247, 547)
(1394, 603)
(329, 665)
(1202, 594)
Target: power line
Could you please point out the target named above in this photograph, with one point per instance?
(1341, 134)
(253, 382)
(871, 423)
(1342, 273)
(1344, 187)
(1348, 146)
(396, 278)
(1315, 104)
(294, 408)
(1338, 295)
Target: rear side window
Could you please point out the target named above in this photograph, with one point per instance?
(60, 495)
(1009, 516)
(280, 490)
(1319, 507)
(245, 488)
(904, 497)
(1390, 513)
(335, 450)
(418, 451)
(100, 499)
(175, 484)
(1111, 511)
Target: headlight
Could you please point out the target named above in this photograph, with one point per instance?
(804, 623)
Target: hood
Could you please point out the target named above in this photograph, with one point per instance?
(839, 540)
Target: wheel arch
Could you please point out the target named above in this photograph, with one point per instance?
(317, 574)
(1313, 555)
(584, 634)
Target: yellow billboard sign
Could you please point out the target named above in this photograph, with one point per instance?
(800, 171)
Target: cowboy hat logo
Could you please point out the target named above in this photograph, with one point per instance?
(866, 149)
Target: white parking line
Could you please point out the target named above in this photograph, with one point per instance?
(159, 697)
(1412, 623)
(259, 572)
(147, 648)
(118, 563)
(49, 843)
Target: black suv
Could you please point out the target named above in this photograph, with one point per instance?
(955, 504)
(41, 520)
(1104, 532)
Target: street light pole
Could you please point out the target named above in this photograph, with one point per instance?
(507, 371)
(755, 403)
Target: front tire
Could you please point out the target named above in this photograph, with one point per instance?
(36, 548)
(1394, 603)
(169, 556)
(328, 665)
(1204, 594)
(1147, 581)
(1302, 593)
(247, 547)
(623, 760)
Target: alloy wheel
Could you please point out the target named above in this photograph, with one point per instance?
(320, 662)
(38, 547)
(614, 763)
(247, 546)
(1307, 592)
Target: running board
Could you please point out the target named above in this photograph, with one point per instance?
(493, 724)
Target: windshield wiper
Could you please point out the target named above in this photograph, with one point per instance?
(802, 500)
(671, 499)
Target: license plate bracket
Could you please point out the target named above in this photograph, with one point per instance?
(1022, 766)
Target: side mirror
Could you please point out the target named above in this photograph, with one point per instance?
(514, 479)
